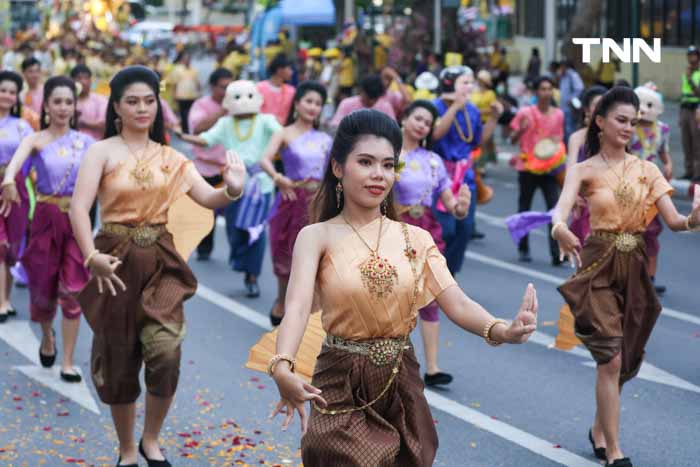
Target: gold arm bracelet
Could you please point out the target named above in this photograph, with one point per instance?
(487, 331)
(231, 197)
(688, 227)
(90, 257)
(278, 358)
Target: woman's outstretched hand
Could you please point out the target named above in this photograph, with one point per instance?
(525, 322)
(294, 393)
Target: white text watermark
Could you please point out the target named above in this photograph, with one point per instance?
(630, 51)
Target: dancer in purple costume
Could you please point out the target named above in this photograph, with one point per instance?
(13, 225)
(423, 179)
(53, 260)
(304, 151)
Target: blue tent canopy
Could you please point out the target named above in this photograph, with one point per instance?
(308, 12)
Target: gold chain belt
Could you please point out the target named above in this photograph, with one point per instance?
(623, 241)
(416, 211)
(141, 235)
(311, 186)
(62, 202)
(381, 352)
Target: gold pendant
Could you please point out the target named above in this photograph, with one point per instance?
(142, 174)
(624, 194)
(378, 276)
(63, 152)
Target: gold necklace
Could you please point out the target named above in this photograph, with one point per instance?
(141, 173)
(624, 194)
(470, 138)
(378, 274)
(248, 133)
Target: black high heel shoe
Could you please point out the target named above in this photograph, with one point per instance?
(624, 462)
(151, 462)
(598, 452)
(275, 320)
(119, 463)
(47, 361)
(11, 311)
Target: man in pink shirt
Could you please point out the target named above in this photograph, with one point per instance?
(277, 95)
(531, 125)
(31, 70)
(372, 96)
(92, 107)
(399, 98)
(205, 112)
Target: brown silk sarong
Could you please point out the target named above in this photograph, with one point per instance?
(398, 430)
(145, 323)
(613, 302)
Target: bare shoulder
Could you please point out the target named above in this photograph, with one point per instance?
(315, 234)
(103, 148)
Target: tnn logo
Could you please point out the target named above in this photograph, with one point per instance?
(629, 53)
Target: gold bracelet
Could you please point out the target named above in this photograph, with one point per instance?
(278, 358)
(688, 227)
(230, 197)
(487, 331)
(556, 227)
(89, 258)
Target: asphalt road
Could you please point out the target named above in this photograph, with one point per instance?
(528, 405)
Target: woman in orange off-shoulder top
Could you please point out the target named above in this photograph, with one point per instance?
(372, 275)
(611, 295)
(134, 300)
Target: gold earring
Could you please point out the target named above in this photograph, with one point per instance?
(47, 119)
(338, 193)
(384, 206)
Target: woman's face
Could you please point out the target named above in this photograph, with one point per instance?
(418, 124)
(60, 106)
(8, 95)
(368, 174)
(464, 84)
(138, 107)
(618, 125)
(309, 106)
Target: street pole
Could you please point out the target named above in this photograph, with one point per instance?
(348, 13)
(437, 26)
(635, 33)
(550, 31)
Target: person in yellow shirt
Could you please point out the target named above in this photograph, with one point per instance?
(346, 74)
(605, 72)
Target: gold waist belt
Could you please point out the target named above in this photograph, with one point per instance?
(141, 235)
(63, 202)
(380, 351)
(623, 241)
(416, 211)
(309, 185)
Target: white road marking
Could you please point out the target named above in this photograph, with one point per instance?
(647, 372)
(537, 445)
(522, 438)
(556, 280)
(18, 335)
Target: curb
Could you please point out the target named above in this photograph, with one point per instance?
(681, 187)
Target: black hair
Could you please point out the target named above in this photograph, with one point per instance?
(122, 80)
(280, 61)
(30, 62)
(80, 69)
(352, 127)
(542, 79)
(623, 83)
(183, 53)
(536, 51)
(591, 93)
(16, 110)
(219, 73)
(49, 86)
(618, 95)
(372, 86)
(427, 105)
(303, 89)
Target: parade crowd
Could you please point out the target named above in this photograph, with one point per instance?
(359, 176)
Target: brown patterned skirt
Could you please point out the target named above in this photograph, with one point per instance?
(144, 324)
(397, 430)
(613, 301)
